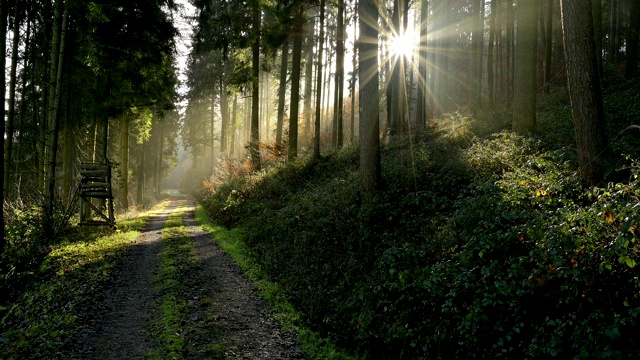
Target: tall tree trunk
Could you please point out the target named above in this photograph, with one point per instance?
(212, 129)
(308, 78)
(370, 171)
(549, 47)
(614, 45)
(354, 64)
(633, 41)
(140, 175)
(55, 109)
(67, 158)
(491, 81)
(316, 145)
(234, 118)
(476, 55)
(524, 93)
(584, 89)
(421, 101)
(339, 77)
(282, 89)
(3, 40)
(597, 31)
(254, 149)
(124, 161)
(224, 110)
(396, 112)
(295, 87)
(23, 101)
(12, 102)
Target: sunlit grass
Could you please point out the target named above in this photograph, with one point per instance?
(50, 311)
(179, 273)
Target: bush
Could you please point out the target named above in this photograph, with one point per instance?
(475, 247)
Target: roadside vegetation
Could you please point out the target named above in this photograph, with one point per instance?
(482, 243)
(45, 305)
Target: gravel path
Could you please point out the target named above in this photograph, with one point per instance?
(121, 327)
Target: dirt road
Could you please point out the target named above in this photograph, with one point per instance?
(223, 316)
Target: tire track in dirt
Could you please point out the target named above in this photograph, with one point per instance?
(120, 329)
(248, 330)
(122, 325)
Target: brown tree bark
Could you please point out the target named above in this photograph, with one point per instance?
(421, 100)
(548, 46)
(295, 87)
(584, 89)
(12, 102)
(370, 172)
(524, 92)
(633, 41)
(282, 89)
(124, 161)
(339, 77)
(308, 77)
(254, 149)
(316, 144)
(54, 112)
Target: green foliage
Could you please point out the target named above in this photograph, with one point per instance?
(42, 316)
(484, 247)
(177, 279)
(233, 242)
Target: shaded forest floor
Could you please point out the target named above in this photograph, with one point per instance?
(167, 292)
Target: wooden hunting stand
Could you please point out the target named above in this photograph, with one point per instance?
(96, 184)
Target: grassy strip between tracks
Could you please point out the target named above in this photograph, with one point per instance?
(184, 326)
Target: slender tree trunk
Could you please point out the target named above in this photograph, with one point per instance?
(141, 160)
(255, 101)
(282, 89)
(633, 41)
(55, 109)
(491, 81)
(12, 102)
(476, 55)
(339, 77)
(421, 101)
(3, 40)
(584, 89)
(124, 161)
(212, 129)
(549, 47)
(224, 111)
(370, 171)
(524, 94)
(308, 78)
(597, 31)
(23, 103)
(234, 119)
(395, 101)
(69, 144)
(327, 84)
(354, 62)
(295, 87)
(316, 145)
(614, 45)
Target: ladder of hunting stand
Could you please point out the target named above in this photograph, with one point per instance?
(96, 184)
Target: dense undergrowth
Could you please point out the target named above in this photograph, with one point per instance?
(481, 244)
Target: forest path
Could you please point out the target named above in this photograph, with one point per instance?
(220, 313)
